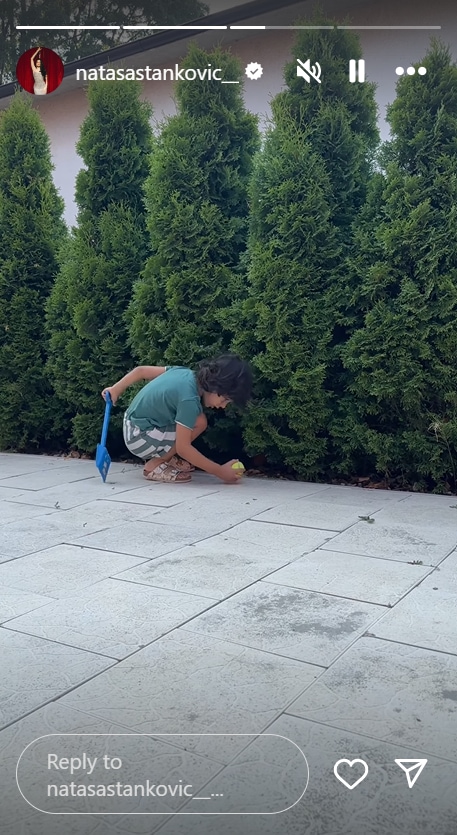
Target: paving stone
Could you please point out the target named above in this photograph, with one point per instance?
(427, 616)
(382, 803)
(111, 617)
(270, 776)
(143, 539)
(12, 512)
(331, 516)
(167, 495)
(63, 569)
(8, 493)
(356, 496)
(26, 536)
(217, 514)
(41, 479)
(14, 602)
(15, 464)
(402, 541)
(189, 684)
(346, 575)
(280, 487)
(292, 542)
(19, 818)
(396, 693)
(80, 492)
(215, 568)
(298, 624)
(35, 671)
(422, 511)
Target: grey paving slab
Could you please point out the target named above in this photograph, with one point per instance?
(328, 515)
(143, 539)
(28, 535)
(77, 493)
(292, 543)
(422, 511)
(111, 617)
(360, 578)
(297, 624)
(19, 818)
(396, 541)
(270, 776)
(167, 495)
(382, 803)
(215, 568)
(283, 487)
(356, 496)
(7, 493)
(40, 479)
(389, 691)
(14, 602)
(190, 684)
(250, 489)
(427, 617)
(217, 511)
(10, 511)
(35, 671)
(15, 464)
(63, 569)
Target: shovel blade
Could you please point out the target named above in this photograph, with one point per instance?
(102, 461)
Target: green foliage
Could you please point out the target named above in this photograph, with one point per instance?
(196, 197)
(339, 118)
(103, 258)
(400, 413)
(309, 184)
(287, 325)
(31, 231)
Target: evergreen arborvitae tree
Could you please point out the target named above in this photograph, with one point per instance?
(31, 232)
(197, 216)
(308, 186)
(342, 117)
(103, 258)
(401, 413)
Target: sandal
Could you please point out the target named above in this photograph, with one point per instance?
(167, 474)
(175, 462)
(181, 464)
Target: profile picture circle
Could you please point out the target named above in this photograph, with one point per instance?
(39, 71)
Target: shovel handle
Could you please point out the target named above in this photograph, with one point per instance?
(108, 406)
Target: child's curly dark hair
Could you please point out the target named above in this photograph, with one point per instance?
(227, 375)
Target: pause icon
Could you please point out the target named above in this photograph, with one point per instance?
(356, 71)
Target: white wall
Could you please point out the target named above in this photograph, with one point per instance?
(383, 52)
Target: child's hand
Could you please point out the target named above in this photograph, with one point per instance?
(112, 392)
(228, 475)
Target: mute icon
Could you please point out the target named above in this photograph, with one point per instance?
(306, 71)
(356, 71)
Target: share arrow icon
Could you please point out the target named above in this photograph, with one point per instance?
(412, 768)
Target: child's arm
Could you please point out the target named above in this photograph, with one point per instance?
(141, 372)
(185, 449)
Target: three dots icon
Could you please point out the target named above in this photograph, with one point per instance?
(411, 71)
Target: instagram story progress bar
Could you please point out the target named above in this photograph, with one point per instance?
(202, 27)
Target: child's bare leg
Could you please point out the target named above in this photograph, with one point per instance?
(200, 426)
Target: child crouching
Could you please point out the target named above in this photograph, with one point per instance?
(167, 414)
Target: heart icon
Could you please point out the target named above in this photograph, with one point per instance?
(350, 763)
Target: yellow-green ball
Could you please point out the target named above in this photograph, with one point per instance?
(238, 466)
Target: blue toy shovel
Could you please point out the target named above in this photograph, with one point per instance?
(102, 458)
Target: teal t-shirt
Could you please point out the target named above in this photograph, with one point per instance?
(169, 399)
